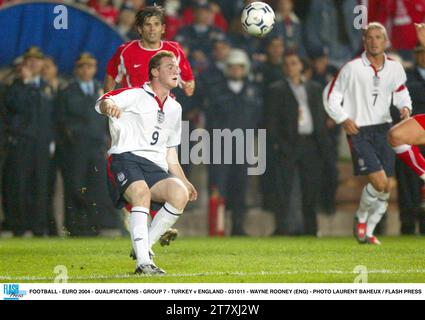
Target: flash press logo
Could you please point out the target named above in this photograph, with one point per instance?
(12, 292)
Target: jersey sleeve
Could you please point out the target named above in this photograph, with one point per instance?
(113, 64)
(325, 95)
(401, 96)
(185, 68)
(174, 139)
(335, 95)
(123, 98)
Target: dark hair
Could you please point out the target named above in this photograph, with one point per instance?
(291, 53)
(270, 40)
(151, 11)
(155, 61)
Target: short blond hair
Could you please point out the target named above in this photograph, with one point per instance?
(374, 26)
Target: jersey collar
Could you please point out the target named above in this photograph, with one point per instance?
(367, 63)
(142, 47)
(147, 87)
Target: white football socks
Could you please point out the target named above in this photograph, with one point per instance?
(166, 217)
(139, 234)
(379, 208)
(369, 197)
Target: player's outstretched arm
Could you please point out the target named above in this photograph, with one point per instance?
(109, 83)
(175, 169)
(420, 31)
(109, 108)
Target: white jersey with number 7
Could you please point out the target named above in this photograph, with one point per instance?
(363, 94)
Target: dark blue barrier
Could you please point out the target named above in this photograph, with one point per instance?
(32, 24)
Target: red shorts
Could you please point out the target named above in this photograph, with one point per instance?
(420, 118)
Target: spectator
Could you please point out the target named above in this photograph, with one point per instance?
(218, 19)
(7, 78)
(135, 5)
(214, 75)
(271, 70)
(307, 69)
(105, 9)
(49, 74)
(233, 104)
(240, 39)
(84, 141)
(268, 73)
(211, 78)
(288, 27)
(409, 184)
(29, 107)
(200, 36)
(125, 26)
(3, 133)
(323, 73)
(329, 27)
(173, 21)
(296, 125)
(302, 8)
(2, 123)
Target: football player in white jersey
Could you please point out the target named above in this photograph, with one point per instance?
(145, 127)
(359, 98)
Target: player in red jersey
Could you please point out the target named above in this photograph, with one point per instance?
(129, 65)
(409, 134)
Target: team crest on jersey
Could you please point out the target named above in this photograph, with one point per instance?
(160, 117)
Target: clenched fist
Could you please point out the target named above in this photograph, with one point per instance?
(109, 108)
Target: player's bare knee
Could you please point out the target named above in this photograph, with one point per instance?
(179, 196)
(144, 195)
(386, 186)
(381, 186)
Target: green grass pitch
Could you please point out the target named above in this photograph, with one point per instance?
(226, 260)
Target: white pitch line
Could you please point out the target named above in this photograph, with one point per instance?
(239, 274)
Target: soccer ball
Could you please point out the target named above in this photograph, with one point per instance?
(258, 19)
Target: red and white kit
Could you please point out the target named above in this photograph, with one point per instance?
(130, 63)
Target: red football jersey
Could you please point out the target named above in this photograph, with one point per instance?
(130, 63)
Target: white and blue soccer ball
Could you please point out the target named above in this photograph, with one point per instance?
(258, 19)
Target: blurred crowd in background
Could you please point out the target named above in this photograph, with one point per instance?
(310, 41)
